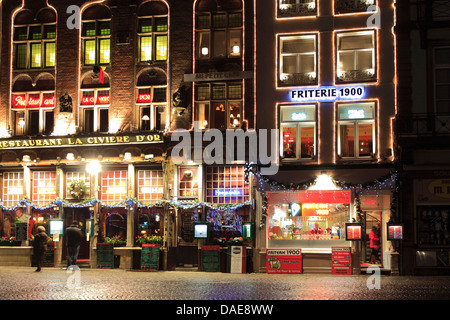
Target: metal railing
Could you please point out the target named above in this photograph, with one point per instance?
(423, 125)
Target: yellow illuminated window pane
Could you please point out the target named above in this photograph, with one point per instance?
(89, 52)
(36, 55)
(50, 54)
(146, 48)
(105, 51)
(161, 47)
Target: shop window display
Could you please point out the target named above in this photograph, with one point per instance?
(151, 221)
(308, 215)
(116, 225)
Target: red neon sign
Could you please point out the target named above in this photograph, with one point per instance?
(19, 101)
(315, 209)
(33, 101)
(49, 102)
(87, 100)
(144, 97)
(103, 99)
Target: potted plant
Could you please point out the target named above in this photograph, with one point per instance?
(237, 241)
(150, 239)
(9, 242)
(116, 241)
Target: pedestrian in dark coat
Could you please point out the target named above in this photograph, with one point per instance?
(74, 236)
(40, 246)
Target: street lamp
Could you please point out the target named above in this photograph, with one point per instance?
(93, 167)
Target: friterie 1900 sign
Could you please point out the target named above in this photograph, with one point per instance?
(327, 93)
(284, 261)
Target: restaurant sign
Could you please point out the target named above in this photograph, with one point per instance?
(81, 141)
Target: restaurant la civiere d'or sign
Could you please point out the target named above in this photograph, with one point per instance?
(81, 141)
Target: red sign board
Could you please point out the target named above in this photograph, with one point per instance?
(341, 260)
(144, 97)
(33, 100)
(284, 261)
(312, 196)
(353, 231)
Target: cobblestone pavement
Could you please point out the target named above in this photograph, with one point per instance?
(21, 283)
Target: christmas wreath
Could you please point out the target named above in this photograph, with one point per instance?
(77, 189)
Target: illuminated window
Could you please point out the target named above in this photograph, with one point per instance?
(74, 176)
(226, 185)
(356, 130)
(218, 35)
(114, 186)
(296, 8)
(153, 36)
(152, 103)
(352, 6)
(33, 113)
(298, 132)
(150, 186)
(188, 182)
(298, 60)
(356, 56)
(43, 187)
(96, 42)
(219, 105)
(12, 188)
(442, 79)
(34, 46)
(95, 106)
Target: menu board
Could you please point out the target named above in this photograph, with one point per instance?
(341, 260)
(284, 261)
(21, 231)
(395, 232)
(105, 255)
(211, 258)
(353, 231)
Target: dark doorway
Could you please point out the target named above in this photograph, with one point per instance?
(80, 215)
(187, 250)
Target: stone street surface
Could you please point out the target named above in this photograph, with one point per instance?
(22, 283)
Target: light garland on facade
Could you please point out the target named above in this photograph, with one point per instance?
(129, 201)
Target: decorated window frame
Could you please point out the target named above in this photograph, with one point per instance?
(43, 187)
(12, 188)
(226, 184)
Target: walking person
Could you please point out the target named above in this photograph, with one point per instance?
(74, 235)
(374, 236)
(40, 246)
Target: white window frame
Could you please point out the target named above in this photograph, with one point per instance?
(355, 123)
(226, 101)
(372, 71)
(72, 176)
(216, 178)
(153, 108)
(29, 42)
(298, 124)
(153, 34)
(24, 130)
(96, 107)
(229, 52)
(14, 180)
(114, 198)
(97, 37)
(283, 76)
(148, 197)
(41, 177)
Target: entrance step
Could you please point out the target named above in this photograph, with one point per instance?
(323, 270)
(81, 264)
(187, 268)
